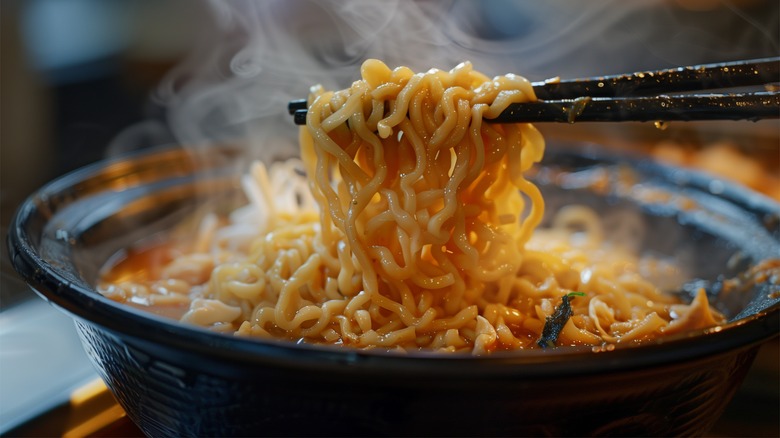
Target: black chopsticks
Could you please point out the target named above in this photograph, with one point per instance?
(694, 78)
(647, 96)
(741, 106)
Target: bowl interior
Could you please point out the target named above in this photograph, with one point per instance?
(67, 231)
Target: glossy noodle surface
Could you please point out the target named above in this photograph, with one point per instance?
(414, 228)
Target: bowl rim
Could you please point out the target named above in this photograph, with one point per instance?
(135, 325)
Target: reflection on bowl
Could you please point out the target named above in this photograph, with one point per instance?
(179, 380)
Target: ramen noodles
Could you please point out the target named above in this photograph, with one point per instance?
(408, 224)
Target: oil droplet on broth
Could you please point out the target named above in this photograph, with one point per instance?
(660, 124)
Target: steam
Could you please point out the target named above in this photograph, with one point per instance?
(258, 55)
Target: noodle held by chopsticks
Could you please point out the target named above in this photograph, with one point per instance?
(421, 233)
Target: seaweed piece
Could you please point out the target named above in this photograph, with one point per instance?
(555, 322)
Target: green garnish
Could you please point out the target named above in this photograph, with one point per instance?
(555, 322)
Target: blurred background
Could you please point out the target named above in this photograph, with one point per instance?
(85, 80)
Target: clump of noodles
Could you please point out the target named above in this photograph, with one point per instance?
(421, 198)
(415, 233)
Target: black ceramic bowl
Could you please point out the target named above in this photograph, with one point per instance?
(178, 380)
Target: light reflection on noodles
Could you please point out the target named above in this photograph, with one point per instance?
(407, 235)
